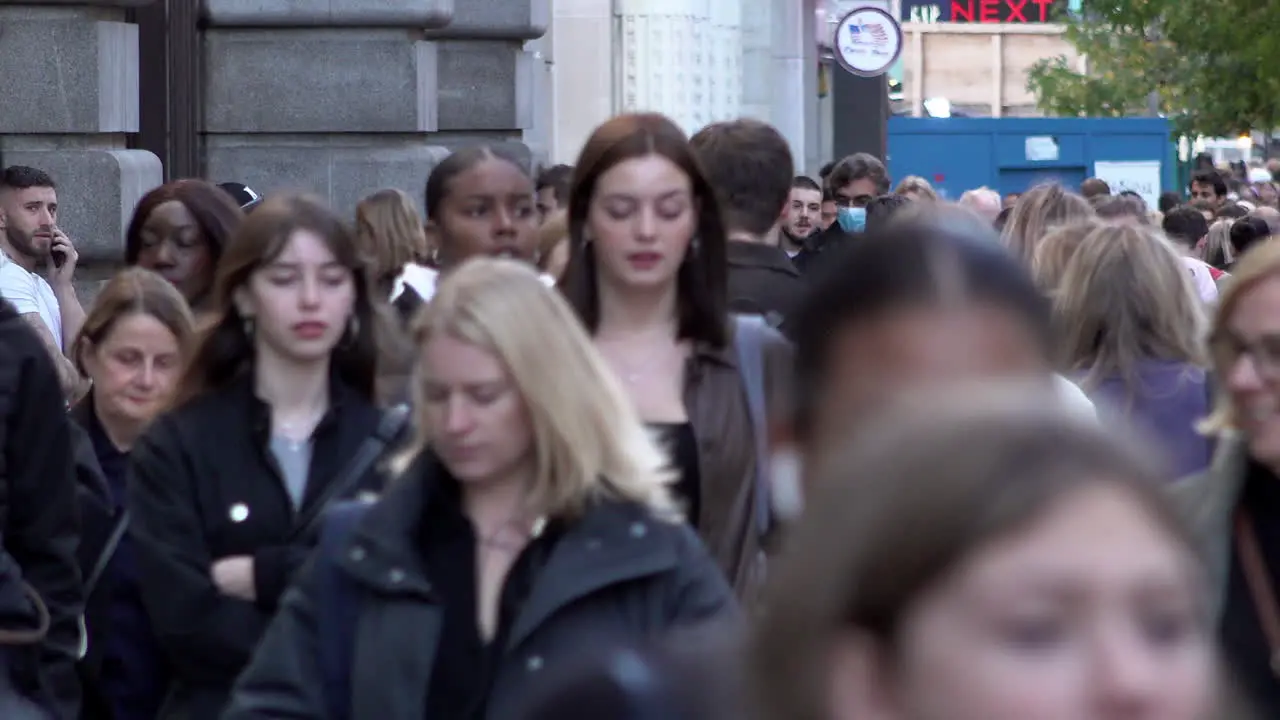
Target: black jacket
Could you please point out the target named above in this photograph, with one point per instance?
(203, 487)
(763, 281)
(39, 527)
(618, 573)
(809, 259)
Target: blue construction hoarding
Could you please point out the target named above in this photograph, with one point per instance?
(1013, 154)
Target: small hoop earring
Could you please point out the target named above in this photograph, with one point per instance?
(248, 326)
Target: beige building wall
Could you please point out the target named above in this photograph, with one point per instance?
(979, 68)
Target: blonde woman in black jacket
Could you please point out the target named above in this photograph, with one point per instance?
(531, 523)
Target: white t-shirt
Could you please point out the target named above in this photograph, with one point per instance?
(30, 293)
(1074, 399)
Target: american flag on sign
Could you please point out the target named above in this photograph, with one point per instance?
(872, 33)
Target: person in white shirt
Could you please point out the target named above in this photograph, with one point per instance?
(29, 239)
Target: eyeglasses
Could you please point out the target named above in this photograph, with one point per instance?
(859, 201)
(1263, 351)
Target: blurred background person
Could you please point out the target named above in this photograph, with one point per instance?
(914, 187)
(803, 217)
(1129, 324)
(393, 245)
(978, 555)
(1038, 211)
(984, 201)
(1235, 504)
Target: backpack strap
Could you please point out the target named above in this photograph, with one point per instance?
(349, 478)
(749, 340)
(337, 607)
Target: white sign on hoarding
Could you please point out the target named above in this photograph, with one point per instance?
(867, 41)
(1139, 176)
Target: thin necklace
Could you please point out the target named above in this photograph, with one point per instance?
(632, 373)
(1255, 576)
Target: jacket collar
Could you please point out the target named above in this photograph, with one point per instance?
(241, 393)
(758, 255)
(611, 543)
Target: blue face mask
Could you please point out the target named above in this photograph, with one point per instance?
(852, 219)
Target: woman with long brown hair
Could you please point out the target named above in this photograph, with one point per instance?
(647, 276)
(275, 403)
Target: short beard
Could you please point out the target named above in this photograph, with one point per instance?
(22, 244)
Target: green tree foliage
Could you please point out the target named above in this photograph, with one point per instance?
(1209, 63)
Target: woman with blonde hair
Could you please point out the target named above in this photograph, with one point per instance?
(1128, 324)
(1054, 252)
(532, 516)
(914, 187)
(1038, 211)
(980, 555)
(1235, 504)
(393, 242)
(132, 346)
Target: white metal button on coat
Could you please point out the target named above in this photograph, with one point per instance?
(638, 530)
(238, 513)
(534, 663)
(357, 553)
(396, 576)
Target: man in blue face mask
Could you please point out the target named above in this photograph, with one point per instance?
(853, 182)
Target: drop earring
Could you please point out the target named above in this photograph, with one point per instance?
(248, 325)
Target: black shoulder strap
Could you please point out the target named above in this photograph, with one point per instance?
(118, 529)
(347, 481)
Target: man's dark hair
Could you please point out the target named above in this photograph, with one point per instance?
(558, 178)
(1168, 201)
(882, 208)
(21, 177)
(894, 268)
(1210, 177)
(749, 164)
(806, 183)
(827, 195)
(1231, 211)
(1185, 225)
(824, 172)
(1248, 231)
(858, 167)
(1093, 187)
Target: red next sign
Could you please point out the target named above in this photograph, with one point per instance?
(1004, 11)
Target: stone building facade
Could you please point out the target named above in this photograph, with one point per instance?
(335, 97)
(698, 61)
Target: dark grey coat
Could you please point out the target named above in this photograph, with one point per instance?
(618, 573)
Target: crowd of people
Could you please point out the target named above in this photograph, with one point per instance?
(671, 433)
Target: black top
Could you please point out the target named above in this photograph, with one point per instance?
(1243, 641)
(682, 444)
(763, 281)
(465, 664)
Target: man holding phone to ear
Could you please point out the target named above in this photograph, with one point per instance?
(30, 239)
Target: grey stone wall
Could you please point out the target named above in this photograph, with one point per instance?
(345, 97)
(68, 97)
(335, 97)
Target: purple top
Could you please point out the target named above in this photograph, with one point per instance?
(1166, 403)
